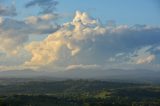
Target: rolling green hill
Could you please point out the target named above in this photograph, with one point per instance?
(79, 93)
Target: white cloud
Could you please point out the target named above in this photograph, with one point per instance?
(81, 66)
(85, 41)
(1, 20)
(14, 33)
(41, 19)
(145, 60)
(69, 36)
(143, 56)
(11, 41)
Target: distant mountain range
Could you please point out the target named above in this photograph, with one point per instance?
(137, 75)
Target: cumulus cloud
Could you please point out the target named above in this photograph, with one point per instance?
(85, 40)
(82, 43)
(14, 33)
(66, 40)
(48, 6)
(41, 18)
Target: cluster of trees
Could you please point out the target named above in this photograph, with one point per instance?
(44, 100)
(79, 93)
(62, 87)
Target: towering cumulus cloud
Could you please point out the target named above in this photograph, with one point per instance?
(68, 40)
(85, 41)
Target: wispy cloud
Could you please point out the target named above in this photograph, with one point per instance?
(7, 10)
(47, 6)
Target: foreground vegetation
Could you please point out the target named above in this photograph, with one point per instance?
(79, 93)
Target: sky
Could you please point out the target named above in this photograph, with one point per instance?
(92, 34)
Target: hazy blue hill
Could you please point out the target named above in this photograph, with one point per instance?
(138, 75)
